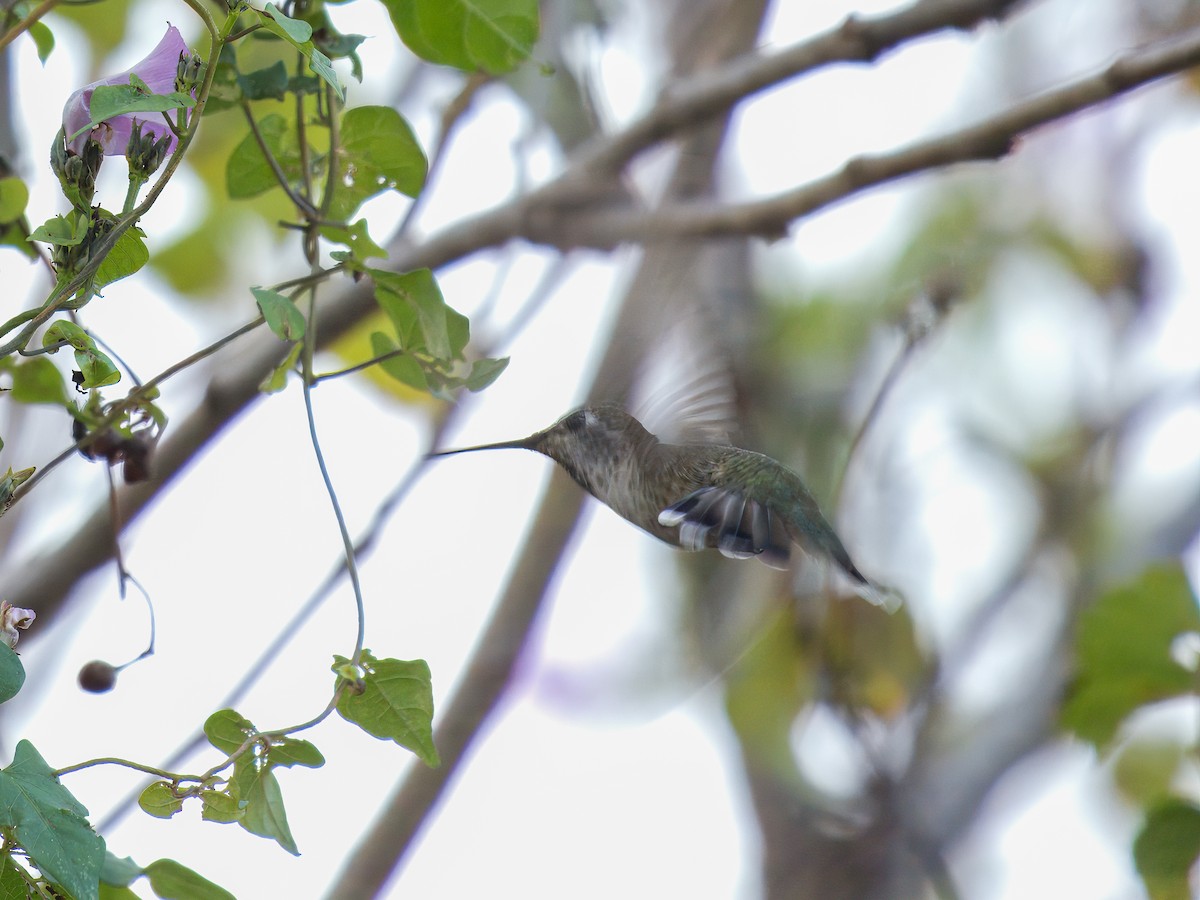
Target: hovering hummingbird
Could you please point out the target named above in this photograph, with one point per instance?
(691, 495)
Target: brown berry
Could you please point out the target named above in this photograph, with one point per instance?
(98, 677)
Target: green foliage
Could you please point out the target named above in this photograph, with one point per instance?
(43, 37)
(1167, 848)
(414, 303)
(14, 195)
(492, 35)
(127, 256)
(248, 174)
(269, 83)
(430, 336)
(168, 879)
(49, 823)
(282, 315)
(97, 369)
(299, 35)
(379, 153)
(36, 380)
(329, 40)
(355, 237)
(65, 231)
(253, 785)
(220, 807)
(13, 235)
(160, 800)
(1124, 652)
(277, 380)
(175, 881)
(12, 885)
(392, 700)
(12, 673)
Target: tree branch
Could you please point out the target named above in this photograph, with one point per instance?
(704, 95)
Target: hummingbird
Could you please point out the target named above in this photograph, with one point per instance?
(694, 496)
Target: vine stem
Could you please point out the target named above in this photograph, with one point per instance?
(128, 764)
(307, 382)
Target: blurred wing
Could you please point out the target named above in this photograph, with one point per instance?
(684, 392)
(738, 527)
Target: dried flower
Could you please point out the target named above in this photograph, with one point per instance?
(12, 618)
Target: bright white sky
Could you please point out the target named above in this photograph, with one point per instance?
(592, 784)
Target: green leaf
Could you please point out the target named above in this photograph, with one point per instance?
(378, 152)
(282, 315)
(1167, 848)
(175, 881)
(112, 100)
(49, 823)
(227, 730)
(323, 67)
(12, 885)
(294, 31)
(277, 380)
(43, 39)
(97, 369)
(128, 255)
(110, 892)
(12, 673)
(1123, 652)
(13, 197)
(159, 800)
(221, 807)
(494, 35)
(118, 871)
(356, 237)
(405, 369)
(417, 293)
(248, 174)
(294, 752)
(65, 231)
(255, 786)
(12, 235)
(396, 703)
(267, 83)
(299, 35)
(38, 380)
(264, 815)
(401, 313)
(484, 372)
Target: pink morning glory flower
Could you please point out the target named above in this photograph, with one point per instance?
(158, 71)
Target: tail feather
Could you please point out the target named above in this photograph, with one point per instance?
(736, 526)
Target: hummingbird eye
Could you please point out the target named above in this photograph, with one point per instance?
(577, 421)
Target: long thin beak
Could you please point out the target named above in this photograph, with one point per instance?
(521, 444)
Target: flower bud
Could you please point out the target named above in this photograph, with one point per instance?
(146, 152)
(188, 72)
(76, 173)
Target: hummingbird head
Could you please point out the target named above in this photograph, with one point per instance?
(588, 442)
